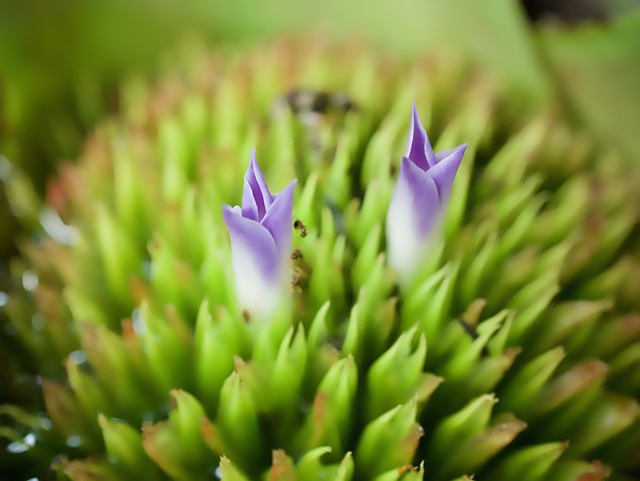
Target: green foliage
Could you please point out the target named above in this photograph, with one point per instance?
(514, 355)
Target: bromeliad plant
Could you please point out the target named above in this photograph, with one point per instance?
(493, 332)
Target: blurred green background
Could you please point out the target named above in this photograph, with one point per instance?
(60, 61)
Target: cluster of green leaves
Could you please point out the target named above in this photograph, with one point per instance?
(514, 355)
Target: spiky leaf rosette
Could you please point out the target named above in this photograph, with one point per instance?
(514, 355)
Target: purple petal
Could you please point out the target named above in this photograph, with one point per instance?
(256, 197)
(250, 207)
(412, 216)
(252, 247)
(444, 172)
(419, 149)
(278, 219)
(423, 194)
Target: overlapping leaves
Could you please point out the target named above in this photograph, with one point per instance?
(515, 351)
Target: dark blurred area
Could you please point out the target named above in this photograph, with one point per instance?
(566, 11)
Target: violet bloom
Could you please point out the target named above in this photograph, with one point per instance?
(260, 234)
(419, 200)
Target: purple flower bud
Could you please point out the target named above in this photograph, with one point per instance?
(419, 200)
(260, 234)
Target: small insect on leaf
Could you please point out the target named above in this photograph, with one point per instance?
(299, 226)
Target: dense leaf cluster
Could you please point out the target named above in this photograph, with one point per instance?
(515, 355)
